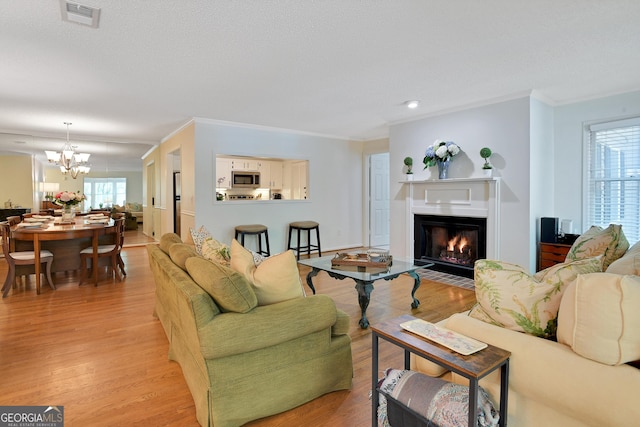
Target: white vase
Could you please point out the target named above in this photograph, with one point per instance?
(409, 177)
(487, 172)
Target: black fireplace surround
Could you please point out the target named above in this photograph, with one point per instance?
(451, 243)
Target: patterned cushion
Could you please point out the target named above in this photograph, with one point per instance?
(230, 290)
(609, 242)
(276, 279)
(442, 403)
(512, 298)
(216, 251)
(599, 318)
(199, 236)
(629, 263)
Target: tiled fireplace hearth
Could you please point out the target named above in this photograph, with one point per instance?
(453, 222)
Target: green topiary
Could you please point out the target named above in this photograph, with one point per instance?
(485, 153)
(408, 162)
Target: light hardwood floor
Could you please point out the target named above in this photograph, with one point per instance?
(100, 353)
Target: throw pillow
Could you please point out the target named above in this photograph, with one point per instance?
(599, 318)
(180, 253)
(629, 263)
(216, 251)
(276, 279)
(609, 242)
(442, 403)
(199, 236)
(167, 240)
(516, 300)
(230, 290)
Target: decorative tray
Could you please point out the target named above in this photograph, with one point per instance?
(367, 259)
(452, 340)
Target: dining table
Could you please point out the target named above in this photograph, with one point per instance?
(65, 239)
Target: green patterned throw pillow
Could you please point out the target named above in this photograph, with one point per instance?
(609, 242)
(510, 297)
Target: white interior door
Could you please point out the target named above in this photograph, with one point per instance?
(379, 221)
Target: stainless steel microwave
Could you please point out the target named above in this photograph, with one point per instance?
(243, 179)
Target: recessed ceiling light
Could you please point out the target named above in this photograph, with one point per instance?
(412, 104)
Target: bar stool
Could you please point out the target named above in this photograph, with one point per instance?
(254, 230)
(299, 227)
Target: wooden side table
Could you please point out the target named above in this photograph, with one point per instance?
(552, 254)
(473, 367)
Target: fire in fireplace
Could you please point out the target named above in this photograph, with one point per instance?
(452, 243)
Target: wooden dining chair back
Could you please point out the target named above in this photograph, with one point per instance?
(112, 251)
(21, 258)
(14, 220)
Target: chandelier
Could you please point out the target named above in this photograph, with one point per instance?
(68, 159)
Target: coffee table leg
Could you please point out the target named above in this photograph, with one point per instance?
(364, 296)
(314, 272)
(415, 303)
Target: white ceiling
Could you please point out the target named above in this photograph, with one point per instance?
(341, 68)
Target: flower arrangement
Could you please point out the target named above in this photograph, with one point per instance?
(440, 151)
(68, 198)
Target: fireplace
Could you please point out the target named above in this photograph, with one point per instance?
(451, 243)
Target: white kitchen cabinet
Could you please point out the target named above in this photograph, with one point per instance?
(275, 177)
(223, 173)
(244, 165)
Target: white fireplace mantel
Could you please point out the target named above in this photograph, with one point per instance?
(469, 197)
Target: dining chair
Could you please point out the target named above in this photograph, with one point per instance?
(27, 215)
(14, 220)
(112, 251)
(21, 258)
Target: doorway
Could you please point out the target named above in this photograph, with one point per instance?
(174, 159)
(379, 208)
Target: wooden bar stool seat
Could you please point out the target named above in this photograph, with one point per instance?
(299, 227)
(258, 230)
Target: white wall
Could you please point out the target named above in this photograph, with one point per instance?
(505, 128)
(569, 148)
(335, 184)
(542, 170)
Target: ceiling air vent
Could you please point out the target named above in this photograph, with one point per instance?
(80, 14)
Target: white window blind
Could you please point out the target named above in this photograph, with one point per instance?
(613, 176)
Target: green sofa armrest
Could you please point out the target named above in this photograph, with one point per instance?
(343, 322)
(265, 326)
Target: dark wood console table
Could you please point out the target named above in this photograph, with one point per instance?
(5, 213)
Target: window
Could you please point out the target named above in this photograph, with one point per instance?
(613, 176)
(105, 192)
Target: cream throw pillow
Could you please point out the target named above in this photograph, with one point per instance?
(276, 279)
(599, 318)
(609, 242)
(629, 263)
(510, 297)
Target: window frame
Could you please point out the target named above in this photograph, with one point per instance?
(113, 180)
(589, 131)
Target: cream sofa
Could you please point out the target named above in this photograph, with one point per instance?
(590, 376)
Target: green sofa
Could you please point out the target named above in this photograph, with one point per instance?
(244, 366)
